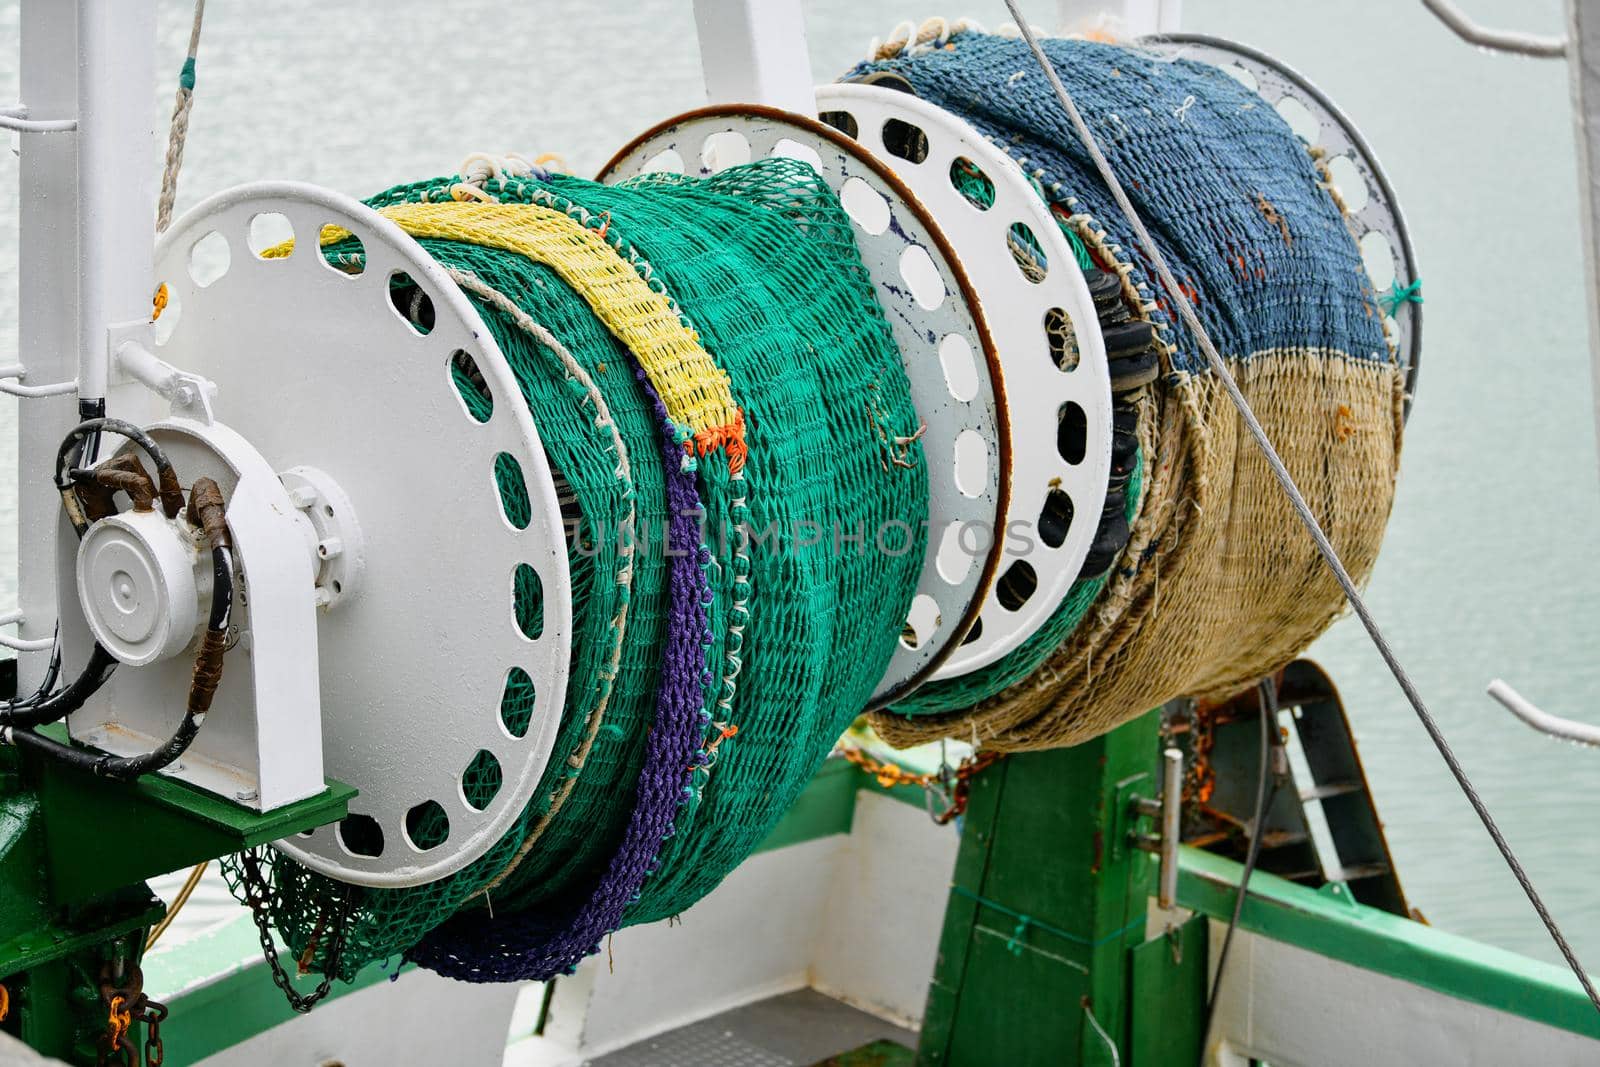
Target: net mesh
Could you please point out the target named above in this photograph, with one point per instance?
(1218, 585)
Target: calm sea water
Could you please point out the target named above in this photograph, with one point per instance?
(1488, 568)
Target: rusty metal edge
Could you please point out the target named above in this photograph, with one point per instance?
(991, 357)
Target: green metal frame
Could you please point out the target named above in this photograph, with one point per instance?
(172, 825)
(224, 967)
(1331, 923)
(75, 850)
(1048, 898)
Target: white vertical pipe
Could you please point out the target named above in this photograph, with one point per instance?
(116, 176)
(754, 52)
(47, 306)
(84, 248)
(1583, 63)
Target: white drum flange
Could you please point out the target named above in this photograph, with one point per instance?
(315, 367)
(938, 325)
(1040, 393)
(1375, 219)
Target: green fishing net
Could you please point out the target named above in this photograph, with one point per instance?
(762, 264)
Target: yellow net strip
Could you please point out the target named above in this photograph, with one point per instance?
(696, 391)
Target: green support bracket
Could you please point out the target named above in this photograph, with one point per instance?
(102, 834)
(75, 851)
(1047, 900)
(80, 929)
(1169, 996)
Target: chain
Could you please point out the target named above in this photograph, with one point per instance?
(258, 895)
(126, 1007)
(946, 789)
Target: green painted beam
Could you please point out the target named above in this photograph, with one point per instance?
(50, 941)
(1047, 898)
(1169, 997)
(1330, 923)
(101, 834)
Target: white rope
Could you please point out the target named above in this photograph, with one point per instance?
(179, 130)
(1286, 481)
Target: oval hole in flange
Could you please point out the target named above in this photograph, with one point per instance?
(1346, 177)
(667, 161)
(922, 277)
(513, 489)
(905, 141)
(1378, 257)
(517, 702)
(1300, 120)
(209, 259)
(788, 148)
(1072, 433)
(953, 562)
(527, 601)
(411, 302)
(1055, 518)
(975, 187)
(347, 255)
(471, 386)
(971, 463)
(427, 826)
(1027, 252)
(361, 835)
(480, 782)
(922, 621)
(960, 369)
(865, 205)
(842, 121)
(1016, 585)
(724, 149)
(270, 231)
(1062, 339)
(975, 632)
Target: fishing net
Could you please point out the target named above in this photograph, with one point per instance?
(1218, 583)
(694, 391)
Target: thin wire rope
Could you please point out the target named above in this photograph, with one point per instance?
(1292, 491)
(179, 130)
(1267, 691)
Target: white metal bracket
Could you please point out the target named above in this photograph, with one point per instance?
(190, 395)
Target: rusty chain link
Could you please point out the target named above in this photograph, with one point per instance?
(127, 1006)
(258, 895)
(946, 789)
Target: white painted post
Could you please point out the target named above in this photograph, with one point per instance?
(1583, 61)
(84, 249)
(116, 176)
(754, 52)
(1136, 18)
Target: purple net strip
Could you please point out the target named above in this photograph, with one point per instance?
(534, 945)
